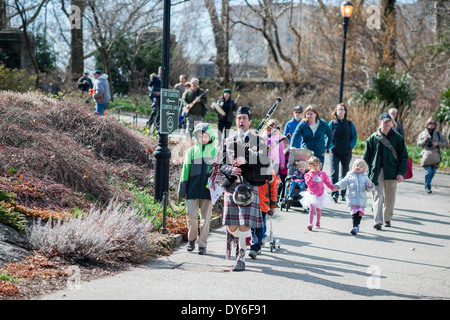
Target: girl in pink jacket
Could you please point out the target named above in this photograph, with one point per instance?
(276, 147)
(316, 198)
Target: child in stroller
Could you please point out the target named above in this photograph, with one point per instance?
(297, 180)
(296, 155)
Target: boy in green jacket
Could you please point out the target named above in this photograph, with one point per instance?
(194, 185)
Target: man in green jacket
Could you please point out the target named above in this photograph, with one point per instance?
(194, 185)
(387, 158)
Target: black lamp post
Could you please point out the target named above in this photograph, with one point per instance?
(346, 11)
(162, 152)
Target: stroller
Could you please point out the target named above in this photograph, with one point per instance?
(296, 154)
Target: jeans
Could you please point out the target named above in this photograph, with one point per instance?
(294, 184)
(345, 164)
(258, 235)
(100, 108)
(430, 171)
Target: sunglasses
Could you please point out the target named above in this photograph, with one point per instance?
(431, 122)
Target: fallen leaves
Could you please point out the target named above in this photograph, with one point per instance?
(36, 267)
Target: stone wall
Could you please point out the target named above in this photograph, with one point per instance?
(14, 50)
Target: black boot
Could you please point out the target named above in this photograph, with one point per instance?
(240, 261)
(191, 245)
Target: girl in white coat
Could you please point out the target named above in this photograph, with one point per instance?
(358, 183)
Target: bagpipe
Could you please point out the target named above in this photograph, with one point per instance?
(244, 147)
(252, 150)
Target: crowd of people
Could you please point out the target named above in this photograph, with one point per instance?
(248, 169)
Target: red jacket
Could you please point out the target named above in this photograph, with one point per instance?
(268, 194)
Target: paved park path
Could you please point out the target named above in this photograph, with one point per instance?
(410, 260)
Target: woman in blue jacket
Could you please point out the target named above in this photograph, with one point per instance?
(315, 133)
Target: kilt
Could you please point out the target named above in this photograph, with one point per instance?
(234, 215)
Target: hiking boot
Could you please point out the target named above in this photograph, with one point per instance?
(191, 245)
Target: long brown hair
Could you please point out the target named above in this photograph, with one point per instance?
(334, 112)
(312, 109)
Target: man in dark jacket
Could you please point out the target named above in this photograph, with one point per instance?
(195, 99)
(228, 105)
(84, 83)
(387, 158)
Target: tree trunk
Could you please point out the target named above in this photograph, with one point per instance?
(76, 45)
(388, 49)
(3, 23)
(221, 35)
(441, 19)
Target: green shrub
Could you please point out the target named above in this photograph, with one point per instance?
(8, 215)
(13, 80)
(388, 87)
(443, 113)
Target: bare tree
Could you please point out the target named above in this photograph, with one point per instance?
(388, 53)
(23, 9)
(269, 12)
(221, 30)
(441, 18)
(109, 19)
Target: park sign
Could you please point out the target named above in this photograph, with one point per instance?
(169, 111)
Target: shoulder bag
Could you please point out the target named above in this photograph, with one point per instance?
(387, 144)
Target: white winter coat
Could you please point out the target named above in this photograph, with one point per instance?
(357, 188)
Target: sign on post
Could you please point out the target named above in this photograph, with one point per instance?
(169, 111)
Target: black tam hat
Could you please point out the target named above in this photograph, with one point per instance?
(245, 110)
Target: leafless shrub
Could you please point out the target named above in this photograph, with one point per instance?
(67, 143)
(113, 234)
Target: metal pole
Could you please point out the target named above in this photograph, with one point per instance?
(341, 91)
(164, 221)
(162, 152)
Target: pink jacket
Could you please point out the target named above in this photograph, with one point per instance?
(276, 153)
(316, 187)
